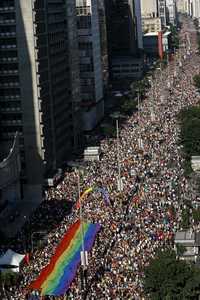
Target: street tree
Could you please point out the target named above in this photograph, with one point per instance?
(168, 277)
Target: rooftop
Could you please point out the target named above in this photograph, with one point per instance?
(153, 33)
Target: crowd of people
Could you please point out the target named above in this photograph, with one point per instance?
(146, 214)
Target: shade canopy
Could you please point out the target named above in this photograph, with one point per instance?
(11, 261)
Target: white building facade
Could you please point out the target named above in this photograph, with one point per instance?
(171, 11)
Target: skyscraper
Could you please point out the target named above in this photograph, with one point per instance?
(171, 11)
(91, 67)
(121, 26)
(36, 90)
(162, 12)
(124, 38)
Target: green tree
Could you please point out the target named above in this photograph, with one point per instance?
(185, 218)
(190, 137)
(129, 106)
(180, 249)
(167, 277)
(196, 215)
(196, 80)
(109, 131)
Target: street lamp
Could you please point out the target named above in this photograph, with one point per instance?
(119, 180)
(140, 143)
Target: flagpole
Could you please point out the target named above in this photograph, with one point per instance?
(120, 186)
(82, 230)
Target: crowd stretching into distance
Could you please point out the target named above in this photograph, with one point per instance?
(145, 216)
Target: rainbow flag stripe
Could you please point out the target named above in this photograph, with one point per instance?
(56, 277)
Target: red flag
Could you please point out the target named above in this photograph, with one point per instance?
(78, 204)
(27, 258)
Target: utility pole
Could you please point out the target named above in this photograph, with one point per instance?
(119, 181)
(139, 123)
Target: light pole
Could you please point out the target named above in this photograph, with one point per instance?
(152, 101)
(139, 122)
(161, 76)
(118, 158)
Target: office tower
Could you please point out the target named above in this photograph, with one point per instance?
(103, 42)
(171, 10)
(162, 12)
(124, 39)
(138, 17)
(36, 89)
(91, 71)
(149, 8)
(196, 9)
(151, 21)
(121, 26)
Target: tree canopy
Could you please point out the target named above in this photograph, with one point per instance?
(167, 277)
(196, 80)
(190, 129)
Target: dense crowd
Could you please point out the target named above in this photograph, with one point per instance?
(146, 214)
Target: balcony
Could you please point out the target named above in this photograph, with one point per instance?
(11, 122)
(8, 34)
(10, 98)
(8, 47)
(8, 59)
(8, 72)
(8, 22)
(9, 84)
(7, 9)
(10, 110)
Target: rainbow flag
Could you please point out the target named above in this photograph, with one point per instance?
(85, 193)
(57, 276)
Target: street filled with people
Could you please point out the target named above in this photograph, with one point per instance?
(146, 213)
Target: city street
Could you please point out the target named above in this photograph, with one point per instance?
(144, 215)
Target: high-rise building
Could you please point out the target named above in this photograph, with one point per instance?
(124, 38)
(122, 27)
(162, 12)
(153, 14)
(151, 22)
(138, 17)
(91, 67)
(36, 86)
(149, 9)
(103, 42)
(171, 10)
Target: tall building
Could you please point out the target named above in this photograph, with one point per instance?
(151, 21)
(195, 9)
(36, 89)
(121, 26)
(103, 42)
(149, 9)
(153, 13)
(124, 38)
(91, 69)
(180, 6)
(171, 10)
(162, 12)
(138, 17)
